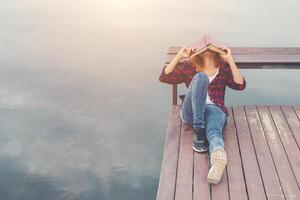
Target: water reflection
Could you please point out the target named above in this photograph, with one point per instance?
(64, 130)
(83, 115)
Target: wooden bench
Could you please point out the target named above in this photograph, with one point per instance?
(262, 144)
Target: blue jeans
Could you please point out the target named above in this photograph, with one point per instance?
(196, 113)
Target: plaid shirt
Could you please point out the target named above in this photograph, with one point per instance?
(184, 72)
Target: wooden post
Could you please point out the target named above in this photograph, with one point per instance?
(174, 94)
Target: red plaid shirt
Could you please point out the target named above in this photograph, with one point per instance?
(184, 72)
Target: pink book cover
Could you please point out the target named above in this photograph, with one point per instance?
(204, 41)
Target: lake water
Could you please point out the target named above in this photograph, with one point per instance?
(83, 115)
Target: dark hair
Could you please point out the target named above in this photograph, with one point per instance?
(197, 61)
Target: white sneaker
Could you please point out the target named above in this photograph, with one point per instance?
(218, 162)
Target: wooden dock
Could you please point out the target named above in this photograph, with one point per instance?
(262, 145)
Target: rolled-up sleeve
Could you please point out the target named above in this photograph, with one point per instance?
(176, 76)
(231, 83)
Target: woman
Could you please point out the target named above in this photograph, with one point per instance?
(206, 77)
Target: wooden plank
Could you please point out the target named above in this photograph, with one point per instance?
(184, 182)
(293, 121)
(174, 94)
(284, 171)
(220, 190)
(167, 183)
(256, 54)
(297, 110)
(251, 59)
(201, 187)
(264, 157)
(287, 139)
(253, 179)
(261, 58)
(237, 187)
(253, 50)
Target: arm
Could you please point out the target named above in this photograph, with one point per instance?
(235, 79)
(173, 73)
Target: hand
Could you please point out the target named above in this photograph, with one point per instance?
(185, 52)
(226, 57)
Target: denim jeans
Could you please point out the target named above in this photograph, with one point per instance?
(196, 113)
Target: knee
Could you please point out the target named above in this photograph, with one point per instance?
(200, 76)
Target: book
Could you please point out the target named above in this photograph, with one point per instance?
(204, 43)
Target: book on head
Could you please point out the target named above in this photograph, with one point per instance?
(204, 43)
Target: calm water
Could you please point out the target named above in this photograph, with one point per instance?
(83, 115)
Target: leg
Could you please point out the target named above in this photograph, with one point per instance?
(193, 106)
(216, 121)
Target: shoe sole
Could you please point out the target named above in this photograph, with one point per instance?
(200, 151)
(218, 163)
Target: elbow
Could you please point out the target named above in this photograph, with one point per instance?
(240, 86)
(165, 79)
(243, 85)
(237, 86)
(161, 79)
(163, 76)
